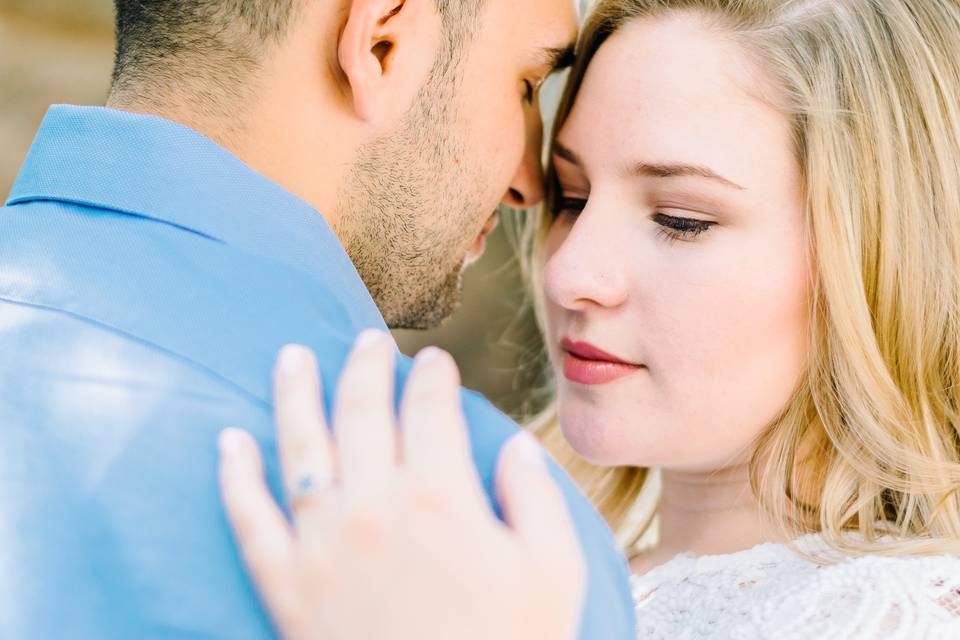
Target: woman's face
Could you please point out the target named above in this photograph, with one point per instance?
(677, 272)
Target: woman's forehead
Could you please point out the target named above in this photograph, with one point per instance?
(671, 88)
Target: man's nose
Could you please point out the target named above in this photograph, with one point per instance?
(527, 187)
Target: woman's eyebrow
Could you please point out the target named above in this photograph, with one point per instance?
(677, 170)
(653, 170)
(562, 151)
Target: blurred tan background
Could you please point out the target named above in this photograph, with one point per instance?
(61, 51)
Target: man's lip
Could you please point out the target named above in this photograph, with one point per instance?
(587, 351)
(479, 243)
(490, 224)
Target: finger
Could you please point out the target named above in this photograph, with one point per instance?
(435, 443)
(302, 435)
(364, 421)
(532, 502)
(263, 536)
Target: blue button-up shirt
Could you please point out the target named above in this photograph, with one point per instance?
(147, 280)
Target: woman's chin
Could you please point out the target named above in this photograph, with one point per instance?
(599, 442)
(607, 440)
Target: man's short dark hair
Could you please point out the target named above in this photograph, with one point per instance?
(160, 41)
(163, 43)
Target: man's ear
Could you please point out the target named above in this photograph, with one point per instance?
(386, 51)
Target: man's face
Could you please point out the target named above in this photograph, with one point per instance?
(424, 198)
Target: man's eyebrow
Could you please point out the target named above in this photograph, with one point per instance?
(558, 58)
(680, 171)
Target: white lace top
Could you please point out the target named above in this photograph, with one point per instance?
(771, 593)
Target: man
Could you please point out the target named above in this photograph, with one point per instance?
(271, 171)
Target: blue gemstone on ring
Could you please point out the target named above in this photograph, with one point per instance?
(306, 484)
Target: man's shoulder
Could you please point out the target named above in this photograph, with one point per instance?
(188, 297)
(76, 280)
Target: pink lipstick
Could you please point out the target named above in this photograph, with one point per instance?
(586, 364)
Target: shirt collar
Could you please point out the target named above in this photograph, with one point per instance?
(154, 168)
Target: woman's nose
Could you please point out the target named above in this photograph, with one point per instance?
(586, 269)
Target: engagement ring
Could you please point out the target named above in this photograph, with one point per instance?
(309, 484)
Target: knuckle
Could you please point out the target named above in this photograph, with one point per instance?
(435, 404)
(292, 408)
(362, 398)
(299, 423)
(295, 437)
(295, 398)
(356, 400)
(366, 530)
(430, 498)
(304, 504)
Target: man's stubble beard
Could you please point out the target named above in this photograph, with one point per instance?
(407, 205)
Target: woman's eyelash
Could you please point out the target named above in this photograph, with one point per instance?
(672, 228)
(572, 206)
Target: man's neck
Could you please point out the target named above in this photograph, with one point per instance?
(267, 136)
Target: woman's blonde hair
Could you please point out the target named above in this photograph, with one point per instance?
(870, 441)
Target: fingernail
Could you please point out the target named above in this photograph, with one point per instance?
(428, 354)
(368, 338)
(293, 360)
(230, 442)
(529, 451)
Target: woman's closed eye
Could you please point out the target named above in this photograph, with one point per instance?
(673, 228)
(565, 205)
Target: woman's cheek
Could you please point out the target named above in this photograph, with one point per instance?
(740, 343)
(696, 329)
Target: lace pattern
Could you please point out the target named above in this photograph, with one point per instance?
(772, 593)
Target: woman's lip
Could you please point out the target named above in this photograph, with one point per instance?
(587, 364)
(583, 371)
(586, 351)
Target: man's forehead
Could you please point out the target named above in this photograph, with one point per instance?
(555, 23)
(554, 36)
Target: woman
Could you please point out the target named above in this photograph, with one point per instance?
(750, 280)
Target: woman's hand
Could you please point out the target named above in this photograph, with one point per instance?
(392, 535)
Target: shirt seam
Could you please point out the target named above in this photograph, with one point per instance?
(90, 204)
